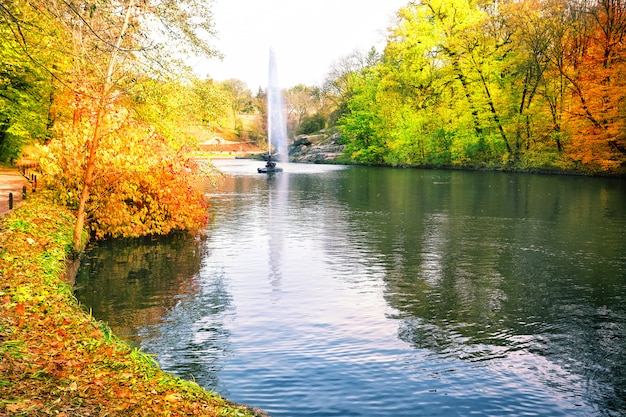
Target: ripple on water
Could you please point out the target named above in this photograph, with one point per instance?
(364, 292)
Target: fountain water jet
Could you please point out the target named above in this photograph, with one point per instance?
(276, 124)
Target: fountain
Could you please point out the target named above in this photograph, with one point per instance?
(276, 124)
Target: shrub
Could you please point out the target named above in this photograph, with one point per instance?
(142, 185)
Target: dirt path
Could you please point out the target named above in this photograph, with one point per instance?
(11, 181)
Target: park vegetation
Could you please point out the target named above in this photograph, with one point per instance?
(102, 89)
(530, 84)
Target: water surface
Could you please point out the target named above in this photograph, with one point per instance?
(334, 291)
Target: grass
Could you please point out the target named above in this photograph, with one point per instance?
(55, 358)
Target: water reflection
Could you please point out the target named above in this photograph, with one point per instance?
(196, 331)
(370, 291)
(133, 283)
(276, 205)
(147, 289)
(507, 269)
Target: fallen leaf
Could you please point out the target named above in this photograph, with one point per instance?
(172, 397)
(17, 407)
(19, 309)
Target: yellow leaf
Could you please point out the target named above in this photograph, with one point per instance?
(172, 397)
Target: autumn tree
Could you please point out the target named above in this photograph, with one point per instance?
(211, 105)
(302, 101)
(142, 185)
(535, 105)
(534, 83)
(180, 109)
(110, 44)
(595, 69)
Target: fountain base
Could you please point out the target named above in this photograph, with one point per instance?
(269, 168)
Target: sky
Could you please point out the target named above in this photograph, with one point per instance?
(307, 36)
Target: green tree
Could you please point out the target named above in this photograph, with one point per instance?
(240, 99)
(311, 123)
(335, 91)
(24, 104)
(362, 121)
(27, 42)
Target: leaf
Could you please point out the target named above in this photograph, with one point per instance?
(14, 408)
(172, 397)
(19, 309)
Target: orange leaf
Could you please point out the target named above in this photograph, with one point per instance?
(19, 309)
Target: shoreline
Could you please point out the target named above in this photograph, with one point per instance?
(55, 358)
(510, 170)
(317, 154)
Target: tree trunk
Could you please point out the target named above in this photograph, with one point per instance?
(88, 181)
(91, 162)
(495, 115)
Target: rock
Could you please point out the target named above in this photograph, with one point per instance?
(316, 148)
(317, 154)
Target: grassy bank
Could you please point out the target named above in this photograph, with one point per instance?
(55, 359)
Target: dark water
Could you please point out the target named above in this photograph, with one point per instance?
(384, 292)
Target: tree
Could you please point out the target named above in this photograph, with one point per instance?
(361, 124)
(527, 83)
(24, 103)
(240, 99)
(143, 185)
(178, 109)
(596, 71)
(336, 85)
(527, 80)
(311, 123)
(25, 86)
(302, 101)
(110, 43)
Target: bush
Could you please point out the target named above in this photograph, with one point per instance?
(311, 123)
(142, 184)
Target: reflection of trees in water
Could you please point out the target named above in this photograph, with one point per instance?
(482, 266)
(479, 266)
(152, 293)
(193, 341)
(133, 283)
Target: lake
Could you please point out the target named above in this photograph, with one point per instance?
(360, 291)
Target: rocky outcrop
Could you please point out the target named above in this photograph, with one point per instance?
(316, 149)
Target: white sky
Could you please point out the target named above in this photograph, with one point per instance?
(308, 36)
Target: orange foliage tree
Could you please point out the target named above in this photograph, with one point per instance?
(595, 66)
(142, 185)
